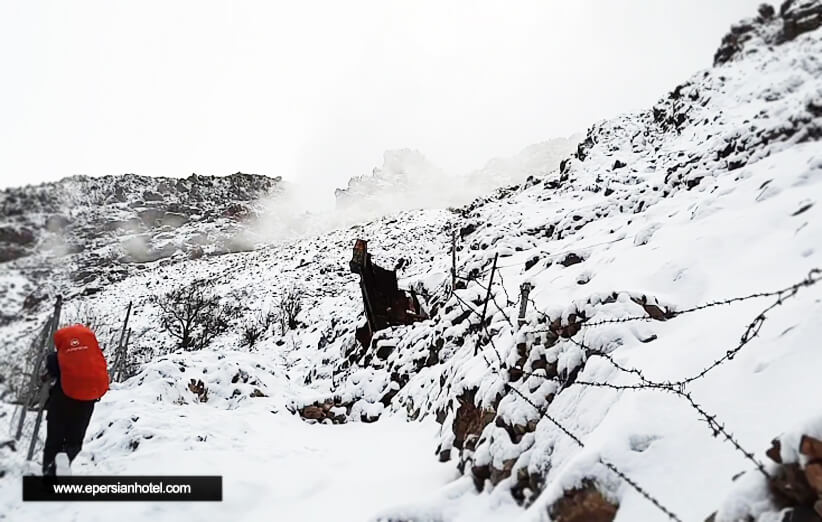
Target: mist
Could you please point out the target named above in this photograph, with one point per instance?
(406, 180)
(317, 92)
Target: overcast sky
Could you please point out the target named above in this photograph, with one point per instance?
(316, 91)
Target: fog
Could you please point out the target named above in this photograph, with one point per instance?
(316, 92)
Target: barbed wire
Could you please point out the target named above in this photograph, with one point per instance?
(468, 308)
(639, 489)
(505, 291)
(493, 299)
(677, 388)
(751, 331)
(814, 276)
(543, 413)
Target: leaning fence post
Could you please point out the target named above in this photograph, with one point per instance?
(125, 327)
(121, 359)
(55, 323)
(118, 356)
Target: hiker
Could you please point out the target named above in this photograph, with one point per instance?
(80, 379)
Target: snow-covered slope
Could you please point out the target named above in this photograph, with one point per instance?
(712, 193)
(539, 159)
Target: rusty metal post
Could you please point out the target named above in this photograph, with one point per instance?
(524, 290)
(44, 389)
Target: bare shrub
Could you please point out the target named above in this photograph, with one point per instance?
(290, 306)
(81, 312)
(194, 314)
(257, 327)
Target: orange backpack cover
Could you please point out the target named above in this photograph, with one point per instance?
(83, 369)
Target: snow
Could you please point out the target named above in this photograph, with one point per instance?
(273, 464)
(713, 193)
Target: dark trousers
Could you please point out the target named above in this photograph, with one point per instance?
(66, 429)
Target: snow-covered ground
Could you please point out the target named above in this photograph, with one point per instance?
(713, 193)
(274, 465)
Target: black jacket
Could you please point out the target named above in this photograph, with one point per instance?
(53, 367)
(58, 399)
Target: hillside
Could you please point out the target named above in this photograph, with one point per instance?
(671, 334)
(84, 232)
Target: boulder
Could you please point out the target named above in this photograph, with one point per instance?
(470, 419)
(811, 447)
(11, 252)
(584, 504)
(151, 196)
(312, 412)
(800, 17)
(571, 259)
(173, 219)
(16, 236)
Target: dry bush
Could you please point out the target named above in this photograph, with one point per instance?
(106, 331)
(290, 306)
(194, 314)
(257, 327)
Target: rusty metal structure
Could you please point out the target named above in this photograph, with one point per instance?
(385, 303)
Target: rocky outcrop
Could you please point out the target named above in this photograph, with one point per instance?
(15, 242)
(795, 17)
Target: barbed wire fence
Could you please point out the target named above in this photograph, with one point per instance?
(544, 414)
(677, 388)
